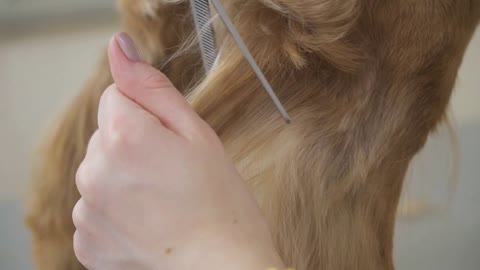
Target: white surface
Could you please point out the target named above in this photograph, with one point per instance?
(38, 75)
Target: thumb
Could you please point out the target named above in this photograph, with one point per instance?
(150, 88)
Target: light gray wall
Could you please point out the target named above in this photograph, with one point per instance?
(21, 10)
(27, 16)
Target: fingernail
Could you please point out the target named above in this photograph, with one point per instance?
(128, 47)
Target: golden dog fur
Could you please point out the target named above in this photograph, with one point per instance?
(365, 82)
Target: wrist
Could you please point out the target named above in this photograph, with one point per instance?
(234, 251)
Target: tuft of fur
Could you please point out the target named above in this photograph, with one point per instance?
(365, 82)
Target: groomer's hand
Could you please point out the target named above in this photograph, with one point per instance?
(158, 190)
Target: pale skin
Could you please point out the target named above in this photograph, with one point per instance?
(158, 190)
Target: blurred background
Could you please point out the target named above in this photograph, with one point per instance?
(49, 48)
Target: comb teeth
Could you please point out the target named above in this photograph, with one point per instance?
(206, 38)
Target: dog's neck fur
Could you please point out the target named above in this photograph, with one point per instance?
(330, 182)
(364, 81)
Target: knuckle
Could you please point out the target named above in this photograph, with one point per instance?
(118, 137)
(107, 95)
(109, 91)
(79, 215)
(123, 137)
(94, 139)
(86, 180)
(82, 250)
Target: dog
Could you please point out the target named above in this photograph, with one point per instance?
(365, 82)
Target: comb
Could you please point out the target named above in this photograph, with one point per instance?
(206, 38)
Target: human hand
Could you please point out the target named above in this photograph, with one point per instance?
(158, 190)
